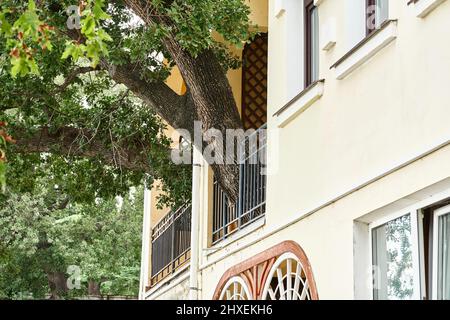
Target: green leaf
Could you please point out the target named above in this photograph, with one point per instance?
(98, 12)
(31, 5)
(68, 51)
(2, 176)
(5, 26)
(88, 26)
(102, 34)
(19, 67)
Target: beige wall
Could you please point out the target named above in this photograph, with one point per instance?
(390, 108)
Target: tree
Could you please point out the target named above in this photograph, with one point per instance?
(66, 107)
(4, 138)
(43, 234)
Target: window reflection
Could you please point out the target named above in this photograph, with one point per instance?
(392, 260)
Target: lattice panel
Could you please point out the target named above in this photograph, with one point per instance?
(254, 83)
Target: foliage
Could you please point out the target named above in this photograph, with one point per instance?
(55, 78)
(28, 34)
(194, 22)
(92, 100)
(38, 237)
(4, 138)
(94, 45)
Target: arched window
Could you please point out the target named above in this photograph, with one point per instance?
(236, 289)
(282, 272)
(287, 280)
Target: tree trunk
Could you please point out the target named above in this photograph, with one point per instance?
(94, 288)
(215, 106)
(210, 91)
(58, 285)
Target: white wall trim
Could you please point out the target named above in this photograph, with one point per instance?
(145, 249)
(174, 280)
(300, 104)
(362, 269)
(293, 24)
(434, 274)
(380, 40)
(279, 8)
(306, 213)
(328, 34)
(424, 7)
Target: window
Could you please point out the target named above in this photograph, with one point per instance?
(377, 12)
(311, 43)
(441, 254)
(409, 252)
(392, 260)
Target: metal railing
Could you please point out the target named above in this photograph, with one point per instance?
(171, 243)
(251, 204)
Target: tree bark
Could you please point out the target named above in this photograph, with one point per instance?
(177, 111)
(58, 285)
(64, 141)
(94, 288)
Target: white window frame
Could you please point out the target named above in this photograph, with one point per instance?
(413, 213)
(378, 16)
(414, 204)
(434, 276)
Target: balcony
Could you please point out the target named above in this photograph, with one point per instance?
(251, 205)
(171, 244)
(171, 237)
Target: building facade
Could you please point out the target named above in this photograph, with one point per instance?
(352, 198)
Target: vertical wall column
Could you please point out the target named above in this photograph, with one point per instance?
(146, 244)
(195, 227)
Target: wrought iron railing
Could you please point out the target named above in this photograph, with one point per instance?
(171, 243)
(251, 204)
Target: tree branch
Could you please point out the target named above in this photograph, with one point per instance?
(65, 141)
(72, 76)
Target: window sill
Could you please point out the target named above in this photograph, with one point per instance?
(424, 7)
(300, 103)
(366, 49)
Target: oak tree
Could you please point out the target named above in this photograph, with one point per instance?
(92, 98)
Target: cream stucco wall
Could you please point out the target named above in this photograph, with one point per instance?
(392, 107)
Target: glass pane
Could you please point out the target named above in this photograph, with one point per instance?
(444, 258)
(314, 44)
(382, 12)
(392, 259)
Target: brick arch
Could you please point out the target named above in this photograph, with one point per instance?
(255, 270)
